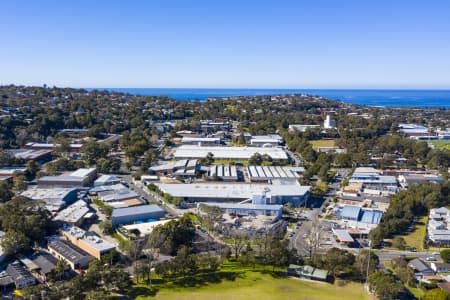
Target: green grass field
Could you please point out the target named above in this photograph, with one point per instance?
(443, 144)
(236, 283)
(417, 236)
(323, 143)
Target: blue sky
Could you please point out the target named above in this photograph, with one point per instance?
(254, 44)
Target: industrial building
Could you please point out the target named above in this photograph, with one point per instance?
(50, 146)
(20, 276)
(11, 171)
(105, 188)
(413, 130)
(129, 215)
(230, 153)
(370, 178)
(75, 257)
(184, 168)
(222, 172)
(408, 180)
(55, 199)
(211, 126)
(270, 140)
(201, 141)
(86, 241)
(139, 230)
(266, 173)
(120, 198)
(30, 154)
(276, 193)
(249, 209)
(73, 214)
(107, 180)
(360, 215)
(79, 178)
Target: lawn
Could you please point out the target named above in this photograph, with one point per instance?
(323, 143)
(444, 144)
(235, 283)
(417, 236)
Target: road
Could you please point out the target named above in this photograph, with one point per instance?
(298, 161)
(299, 240)
(143, 192)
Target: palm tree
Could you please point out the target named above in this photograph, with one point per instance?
(61, 267)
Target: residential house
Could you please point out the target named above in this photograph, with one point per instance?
(420, 268)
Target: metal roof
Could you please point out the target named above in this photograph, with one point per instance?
(135, 210)
(371, 216)
(73, 213)
(249, 206)
(83, 172)
(343, 235)
(232, 190)
(106, 178)
(194, 151)
(350, 212)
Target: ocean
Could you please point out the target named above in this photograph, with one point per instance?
(417, 98)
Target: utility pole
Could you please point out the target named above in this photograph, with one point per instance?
(368, 265)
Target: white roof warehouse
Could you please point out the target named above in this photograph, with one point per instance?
(234, 192)
(243, 153)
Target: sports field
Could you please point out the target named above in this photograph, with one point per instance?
(248, 284)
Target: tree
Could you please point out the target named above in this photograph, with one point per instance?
(238, 241)
(60, 267)
(398, 242)
(256, 159)
(209, 215)
(445, 255)
(20, 183)
(241, 140)
(24, 221)
(385, 286)
(5, 191)
(337, 260)
(14, 242)
(361, 262)
(93, 151)
(32, 168)
(169, 237)
(208, 160)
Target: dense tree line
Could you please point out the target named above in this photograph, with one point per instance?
(24, 223)
(407, 204)
(96, 283)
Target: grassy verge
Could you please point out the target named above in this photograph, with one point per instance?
(416, 237)
(236, 282)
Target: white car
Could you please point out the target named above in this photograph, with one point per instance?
(431, 258)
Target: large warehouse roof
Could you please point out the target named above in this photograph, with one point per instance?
(232, 190)
(193, 151)
(136, 210)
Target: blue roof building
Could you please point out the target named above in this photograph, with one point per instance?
(356, 213)
(128, 215)
(371, 216)
(350, 212)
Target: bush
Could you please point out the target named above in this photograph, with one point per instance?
(445, 255)
(398, 242)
